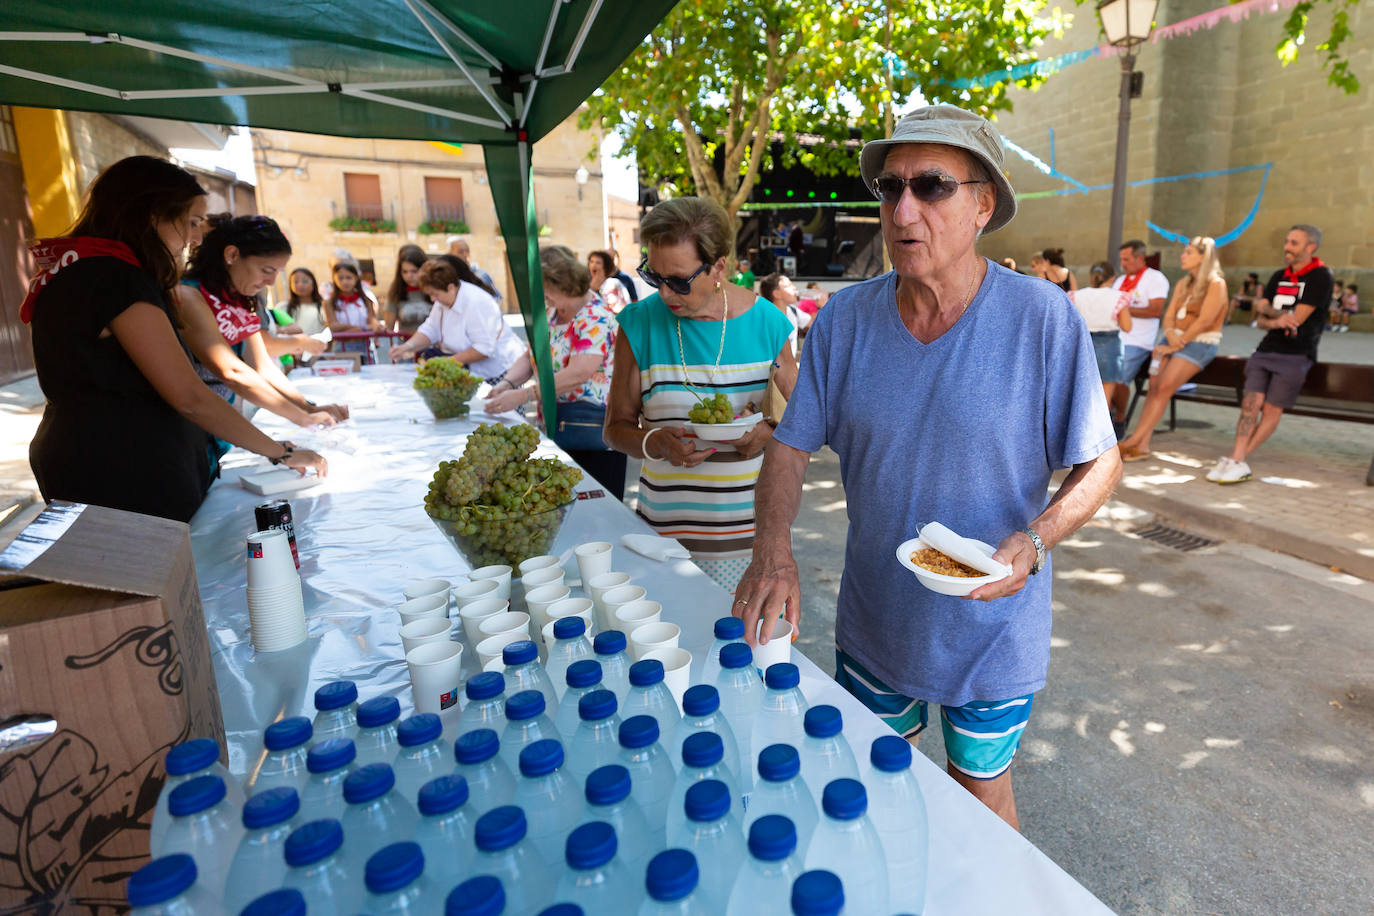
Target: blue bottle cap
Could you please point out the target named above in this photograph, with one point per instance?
(195, 795)
(562, 909)
(729, 628)
(309, 843)
(161, 880)
(782, 676)
(736, 655)
(285, 901)
(844, 799)
(569, 627)
(583, 673)
(378, 711)
(772, 838)
(638, 731)
(500, 828)
(672, 875)
(890, 754)
(271, 806)
(817, 893)
(480, 896)
(476, 746)
(646, 673)
(421, 728)
(519, 653)
(702, 749)
(823, 722)
(336, 695)
(540, 758)
(591, 845)
(190, 756)
(393, 867)
(443, 794)
(367, 783)
(597, 705)
(524, 705)
(701, 700)
(707, 800)
(486, 685)
(609, 642)
(779, 762)
(288, 733)
(608, 785)
(328, 756)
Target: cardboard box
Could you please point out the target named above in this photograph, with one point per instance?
(104, 665)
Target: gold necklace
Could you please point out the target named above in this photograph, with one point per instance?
(682, 356)
(968, 297)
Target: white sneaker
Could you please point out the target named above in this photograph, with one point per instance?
(1219, 468)
(1236, 472)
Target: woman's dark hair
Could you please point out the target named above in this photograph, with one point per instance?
(446, 270)
(253, 236)
(607, 262)
(1054, 255)
(126, 202)
(293, 302)
(409, 254)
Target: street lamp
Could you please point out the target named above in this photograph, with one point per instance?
(1126, 24)
(581, 176)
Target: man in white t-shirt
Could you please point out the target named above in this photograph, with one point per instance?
(1149, 291)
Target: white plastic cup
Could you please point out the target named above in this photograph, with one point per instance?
(506, 622)
(599, 586)
(537, 601)
(497, 664)
(630, 617)
(779, 647)
(435, 675)
(427, 587)
(477, 611)
(543, 561)
(277, 622)
(269, 560)
(653, 636)
(677, 667)
(467, 592)
(573, 607)
(593, 559)
(613, 598)
(420, 608)
(499, 574)
(549, 575)
(490, 648)
(426, 630)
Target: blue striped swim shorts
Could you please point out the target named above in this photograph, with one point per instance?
(981, 737)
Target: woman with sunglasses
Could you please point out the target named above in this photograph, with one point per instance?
(698, 336)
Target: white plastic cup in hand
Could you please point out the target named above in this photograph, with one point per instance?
(426, 630)
(537, 601)
(543, 561)
(269, 560)
(653, 636)
(477, 611)
(467, 592)
(499, 574)
(677, 669)
(599, 586)
(572, 607)
(593, 559)
(612, 599)
(779, 647)
(421, 608)
(435, 675)
(427, 587)
(549, 575)
(505, 622)
(490, 647)
(630, 617)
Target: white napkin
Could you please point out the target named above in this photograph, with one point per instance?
(962, 549)
(655, 547)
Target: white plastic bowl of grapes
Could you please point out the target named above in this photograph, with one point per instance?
(446, 387)
(714, 419)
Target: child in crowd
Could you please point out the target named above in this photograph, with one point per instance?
(304, 303)
(1347, 305)
(348, 309)
(1337, 310)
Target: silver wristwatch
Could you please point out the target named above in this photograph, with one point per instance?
(1039, 563)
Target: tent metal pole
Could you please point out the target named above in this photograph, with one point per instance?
(548, 34)
(54, 36)
(458, 62)
(59, 81)
(140, 94)
(206, 59)
(582, 34)
(426, 109)
(463, 36)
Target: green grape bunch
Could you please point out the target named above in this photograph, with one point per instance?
(489, 448)
(446, 387)
(712, 410)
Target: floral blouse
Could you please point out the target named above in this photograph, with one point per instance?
(592, 330)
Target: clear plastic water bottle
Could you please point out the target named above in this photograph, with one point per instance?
(782, 709)
(523, 672)
(727, 630)
(527, 721)
(847, 843)
(329, 763)
(609, 647)
(703, 756)
(649, 696)
(825, 754)
(651, 775)
(608, 799)
(445, 829)
(781, 790)
(819, 893)
(315, 867)
(900, 821)
(741, 696)
(287, 742)
(582, 677)
(597, 739)
(548, 796)
(336, 711)
(564, 909)
(596, 879)
(377, 720)
(377, 815)
(671, 884)
(701, 713)
(167, 886)
(486, 695)
(570, 644)
(480, 896)
(491, 784)
(259, 864)
(206, 827)
(396, 882)
(284, 901)
(712, 834)
(765, 880)
(504, 851)
(185, 761)
(423, 754)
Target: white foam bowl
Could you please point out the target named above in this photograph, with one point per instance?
(942, 584)
(726, 432)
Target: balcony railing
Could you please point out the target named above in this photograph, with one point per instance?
(437, 212)
(364, 211)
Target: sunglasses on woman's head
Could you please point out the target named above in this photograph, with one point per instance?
(927, 187)
(680, 285)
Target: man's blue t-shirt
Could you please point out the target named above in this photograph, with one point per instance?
(966, 431)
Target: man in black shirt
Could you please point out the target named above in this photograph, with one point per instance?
(1293, 309)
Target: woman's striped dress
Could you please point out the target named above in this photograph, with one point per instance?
(708, 508)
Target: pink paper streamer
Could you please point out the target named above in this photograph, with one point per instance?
(1232, 12)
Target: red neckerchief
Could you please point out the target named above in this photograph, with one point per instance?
(412, 289)
(235, 315)
(51, 255)
(1128, 284)
(1291, 276)
(348, 298)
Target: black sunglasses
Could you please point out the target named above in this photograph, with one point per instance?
(928, 187)
(680, 285)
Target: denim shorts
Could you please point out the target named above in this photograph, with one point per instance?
(1109, 351)
(1132, 359)
(1199, 354)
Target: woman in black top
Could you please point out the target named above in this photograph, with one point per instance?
(1056, 272)
(126, 420)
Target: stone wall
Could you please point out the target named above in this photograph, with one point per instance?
(98, 141)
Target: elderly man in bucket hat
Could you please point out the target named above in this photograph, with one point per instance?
(951, 388)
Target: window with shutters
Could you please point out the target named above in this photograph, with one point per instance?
(444, 200)
(363, 196)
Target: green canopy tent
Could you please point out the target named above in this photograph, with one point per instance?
(502, 73)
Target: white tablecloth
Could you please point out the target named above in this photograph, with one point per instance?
(363, 535)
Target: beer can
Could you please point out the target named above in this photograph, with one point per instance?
(277, 514)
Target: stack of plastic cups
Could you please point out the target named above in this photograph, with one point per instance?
(276, 607)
